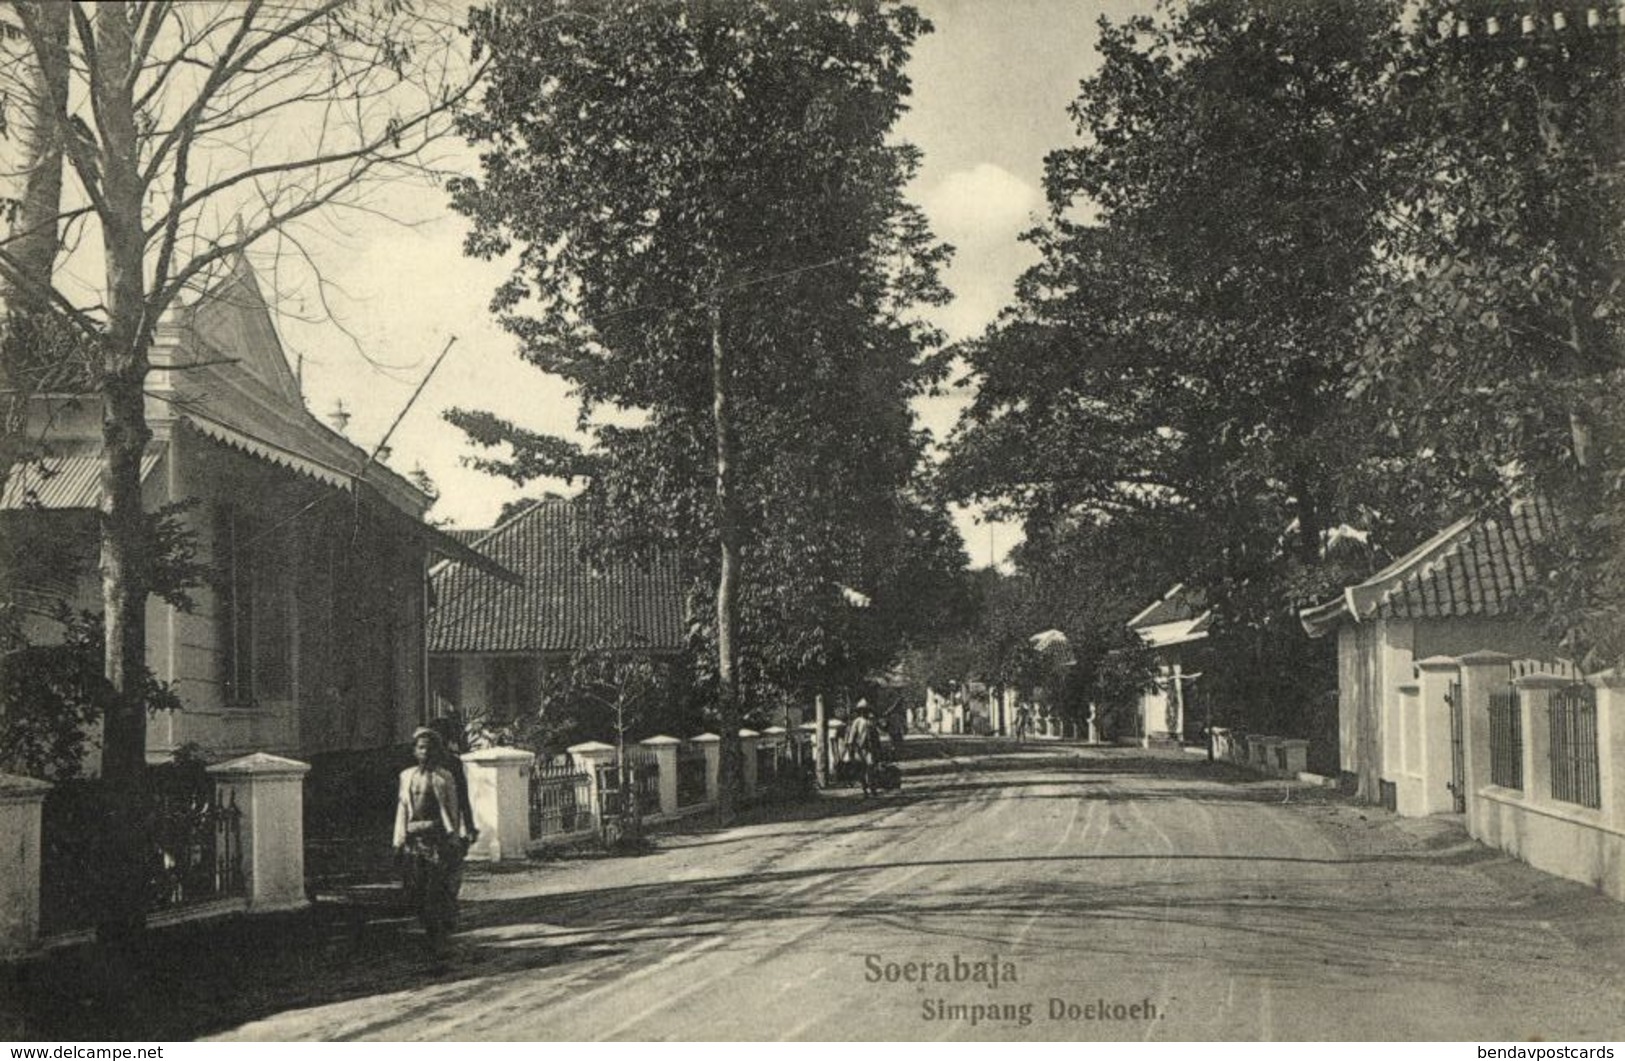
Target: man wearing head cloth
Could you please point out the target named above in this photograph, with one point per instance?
(428, 834)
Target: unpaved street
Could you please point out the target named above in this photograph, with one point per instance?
(1192, 901)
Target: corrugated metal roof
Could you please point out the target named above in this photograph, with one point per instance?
(70, 479)
(1475, 567)
(563, 603)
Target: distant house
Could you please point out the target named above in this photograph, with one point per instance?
(1175, 629)
(491, 641)
(1454, 594)
(310, 635)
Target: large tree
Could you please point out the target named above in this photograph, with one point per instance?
(1182, 354)
(193, 132)
(711, 236)
(1495, 337)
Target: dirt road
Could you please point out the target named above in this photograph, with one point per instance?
(1113, 894)
(1022, 892)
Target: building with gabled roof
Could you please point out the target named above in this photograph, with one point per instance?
(1174, 628)
(1456, 593)
(309, 636)
(491, 640)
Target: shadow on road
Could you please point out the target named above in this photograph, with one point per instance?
(189, 981)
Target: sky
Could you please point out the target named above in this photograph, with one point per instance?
(991, 87)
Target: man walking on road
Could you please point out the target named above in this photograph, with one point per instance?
(429, 836)
(863, 745)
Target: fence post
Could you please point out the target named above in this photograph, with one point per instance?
(1535, 702)
(1434, 676)
(1610, 688)
(21, 799)
(1294, 757)
(1481, 673)
(748, 740)
(592, 755)
(269, 792)
(499, 796)
(664, 750)
(711, 745)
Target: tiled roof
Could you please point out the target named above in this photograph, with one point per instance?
(563, 602)
(1478, 566)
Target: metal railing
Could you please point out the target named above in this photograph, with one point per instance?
(193, 855)
(1575, 774)
(690, 777)
(200, 850)
(560, 800)
(1506, 738)
(644, 766)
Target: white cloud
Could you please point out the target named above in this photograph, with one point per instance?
(985, 203)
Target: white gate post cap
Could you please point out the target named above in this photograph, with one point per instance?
(748, 733)
(17, 789)
(1542, 681)
(591, 747)
(260, 764)
(1608, 679)
(705, 738)
(660, 742)
(500, 755)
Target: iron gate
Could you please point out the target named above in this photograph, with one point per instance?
(1458, 751)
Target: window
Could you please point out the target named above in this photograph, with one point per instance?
(515, 692)
(1573, 723)
(256, 650)
(234, 560)
(1506, 738)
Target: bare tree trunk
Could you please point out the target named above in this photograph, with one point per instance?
(125, 435)
(728, 574)
(124, 372)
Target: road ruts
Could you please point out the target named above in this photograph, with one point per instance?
(1193, 901)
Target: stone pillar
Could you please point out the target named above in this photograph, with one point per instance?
(1434, 676)
(499, 795)
(590, 756)
(1534, 702)
(748, 740)
(820, 728)
(665, 753)
(1403, 767)
(1481, 672)
(1611, 748)
(20, 804)
(711, 745)
(1297, 756)
(269, 791)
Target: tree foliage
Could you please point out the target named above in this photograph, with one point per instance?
(1175, 372)
(1318, 266)
(714, 249)
(1494, 336)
